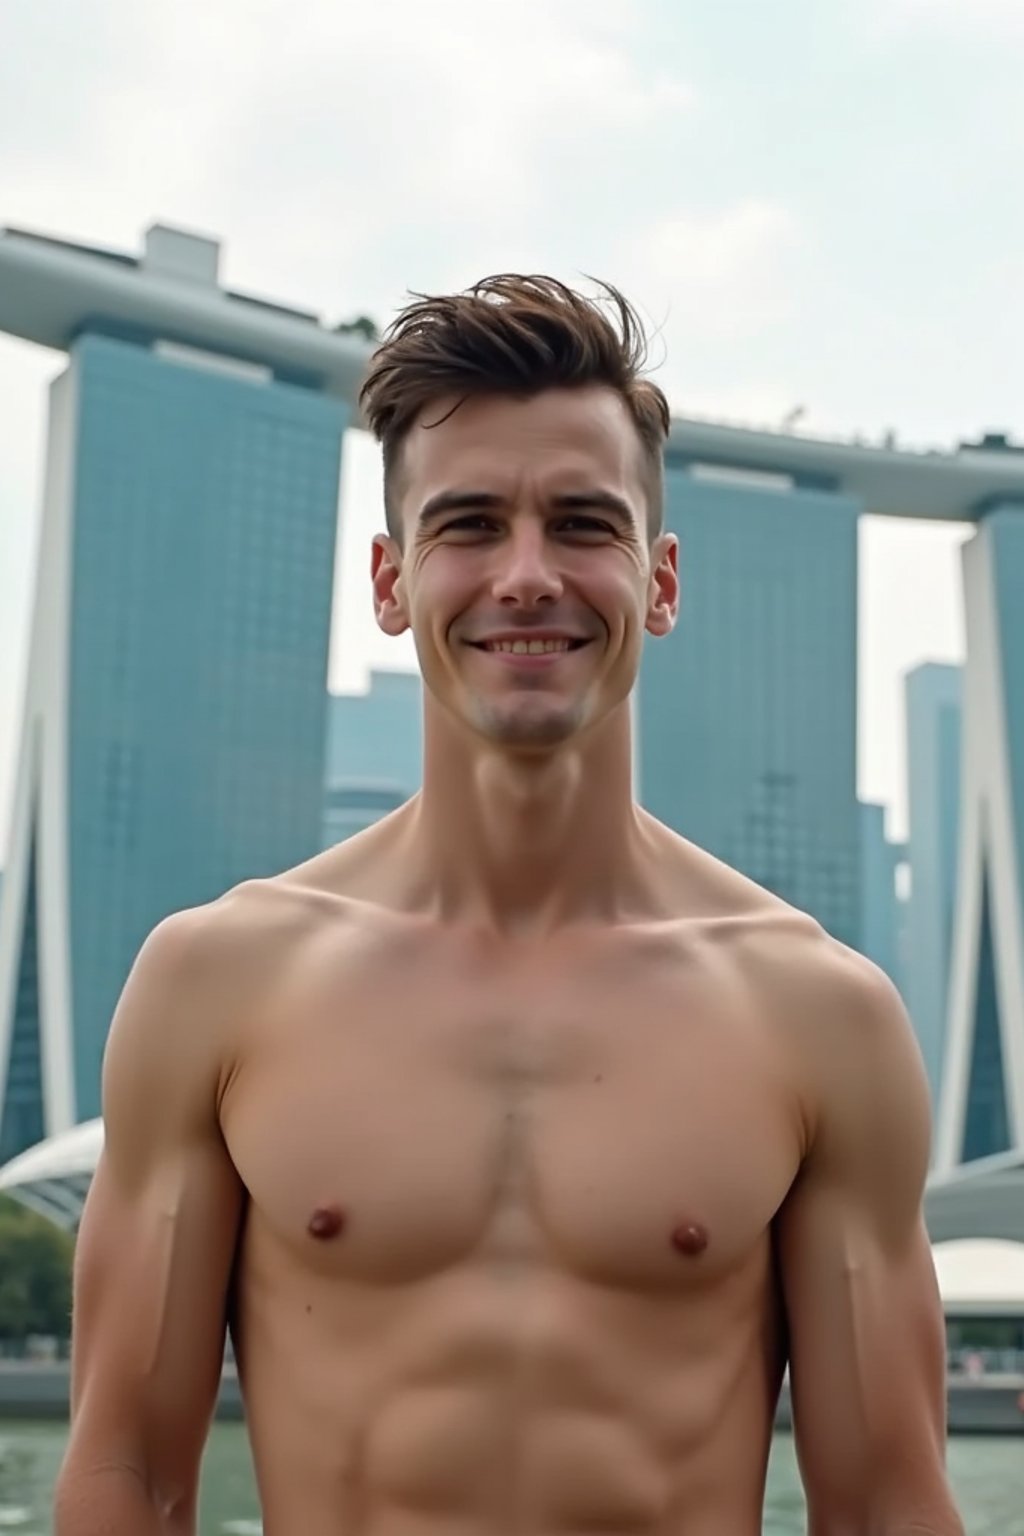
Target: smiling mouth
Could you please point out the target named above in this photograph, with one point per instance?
(528, 647)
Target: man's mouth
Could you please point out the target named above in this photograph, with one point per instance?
(528, 647)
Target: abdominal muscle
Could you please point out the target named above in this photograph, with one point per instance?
(532, 1404)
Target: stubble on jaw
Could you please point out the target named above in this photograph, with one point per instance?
(512, 727)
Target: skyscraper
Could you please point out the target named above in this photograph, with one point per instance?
(983, 1088)
(933, 696)
(880, 908)
(173, 738)
(747, 713)
(374, 753)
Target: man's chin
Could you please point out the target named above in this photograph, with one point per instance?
(526, 729)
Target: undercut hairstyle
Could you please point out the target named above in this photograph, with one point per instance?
(511, 335)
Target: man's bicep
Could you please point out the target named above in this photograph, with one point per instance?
(152, 1270)
(867, 1339)
(158, 1232)
(866, 1342)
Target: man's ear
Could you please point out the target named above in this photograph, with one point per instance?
(663, 591)
(388, 591)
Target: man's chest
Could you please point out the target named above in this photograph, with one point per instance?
(627, 1124)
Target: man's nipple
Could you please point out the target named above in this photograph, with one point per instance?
(689, 1237)
(326, 1222)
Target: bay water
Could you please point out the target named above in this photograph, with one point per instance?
(987, 1477)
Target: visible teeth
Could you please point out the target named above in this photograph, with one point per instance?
(528, 647)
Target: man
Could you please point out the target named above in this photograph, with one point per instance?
(518, 1142)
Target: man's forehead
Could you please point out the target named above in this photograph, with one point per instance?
(588, 425)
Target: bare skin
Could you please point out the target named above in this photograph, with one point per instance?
(519, 1142)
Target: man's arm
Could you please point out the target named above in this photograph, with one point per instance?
(155, 1251)
(867, 1335)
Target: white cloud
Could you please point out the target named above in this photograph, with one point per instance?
(977, 17)
(330, 139)
(718, 275)
(978, 11)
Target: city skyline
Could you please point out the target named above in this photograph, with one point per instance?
(796, 257)
(896, 558)
(174, 740)
(175, 726)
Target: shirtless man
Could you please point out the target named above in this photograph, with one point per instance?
(518, 1142)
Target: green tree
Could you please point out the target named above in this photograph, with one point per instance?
(35, 1275)
(362, 326)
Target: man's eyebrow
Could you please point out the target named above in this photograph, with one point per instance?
(608, 501)
(443, 502)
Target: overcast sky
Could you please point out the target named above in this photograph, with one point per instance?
(815, 202)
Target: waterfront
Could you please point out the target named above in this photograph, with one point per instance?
(987, 1476)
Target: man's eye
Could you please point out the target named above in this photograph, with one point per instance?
(473, 522)
(581, 523)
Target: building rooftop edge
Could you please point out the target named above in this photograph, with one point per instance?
(958, 486)
(53, 289)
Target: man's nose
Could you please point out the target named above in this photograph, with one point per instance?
(527, 570)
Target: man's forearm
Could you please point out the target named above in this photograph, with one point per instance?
(948, 1524)
(114, 1500)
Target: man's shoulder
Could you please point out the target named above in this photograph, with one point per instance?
(836, 1017)
(716, 900)
(809, 970)
(245, 916)
(810, 987)
(259, 924)
(813, 985)
(776, 943)
(233, 937)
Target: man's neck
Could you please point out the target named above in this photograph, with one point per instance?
(531, 841)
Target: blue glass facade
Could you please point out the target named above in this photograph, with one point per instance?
(21, 1115)
(982, 1097)
(374, 753)
(1005, 527)
(998, 1002)
(204, 521)
(880, 914)
(986, 1124)
(934, 715)
(747, 712)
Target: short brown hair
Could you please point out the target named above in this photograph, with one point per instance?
(512, 335)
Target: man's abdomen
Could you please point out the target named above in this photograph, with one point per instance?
(533, 1406)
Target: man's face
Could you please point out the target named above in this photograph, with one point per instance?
(526, 573)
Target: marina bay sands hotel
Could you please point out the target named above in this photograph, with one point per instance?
(174, 728)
